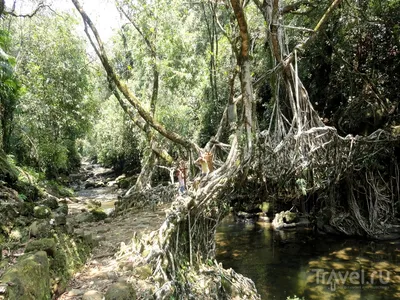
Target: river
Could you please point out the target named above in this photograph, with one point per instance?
(296, 262)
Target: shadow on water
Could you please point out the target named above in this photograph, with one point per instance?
(295, 262)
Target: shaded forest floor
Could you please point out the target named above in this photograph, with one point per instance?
(102, 269)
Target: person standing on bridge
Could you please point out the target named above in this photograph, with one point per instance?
(181, 174)
(202, 161)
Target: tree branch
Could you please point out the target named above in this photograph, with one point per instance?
(12, 13)
(295, 6)
(123, 88)
(300, 47)
(147, 41)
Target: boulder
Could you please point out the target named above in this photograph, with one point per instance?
(47, 244)
(98, 214)
(29, 278)
(8, 213)
(41, 212)
(51, 202)
(120, 291)
(40, 229)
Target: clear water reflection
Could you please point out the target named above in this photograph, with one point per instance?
(288, 263)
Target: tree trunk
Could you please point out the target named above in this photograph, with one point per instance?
(143, 182)
(245, 76)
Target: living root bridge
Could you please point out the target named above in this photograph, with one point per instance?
(356, 179)
(181, 253)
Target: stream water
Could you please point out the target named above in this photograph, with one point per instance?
(296, 262)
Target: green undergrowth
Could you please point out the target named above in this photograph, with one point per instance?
(57, 188)
(30, 176)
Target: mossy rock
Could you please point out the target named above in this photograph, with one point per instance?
(8, 194)
(51, 202)
(23, 221)
(64, 256)
(40, 229)
(120, 291)
(124, 183)
(98, 214)
(48, 245)
(71, 254)
(29, 278)
(41, 212)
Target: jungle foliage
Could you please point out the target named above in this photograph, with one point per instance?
(296, 100)
(184, 65)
